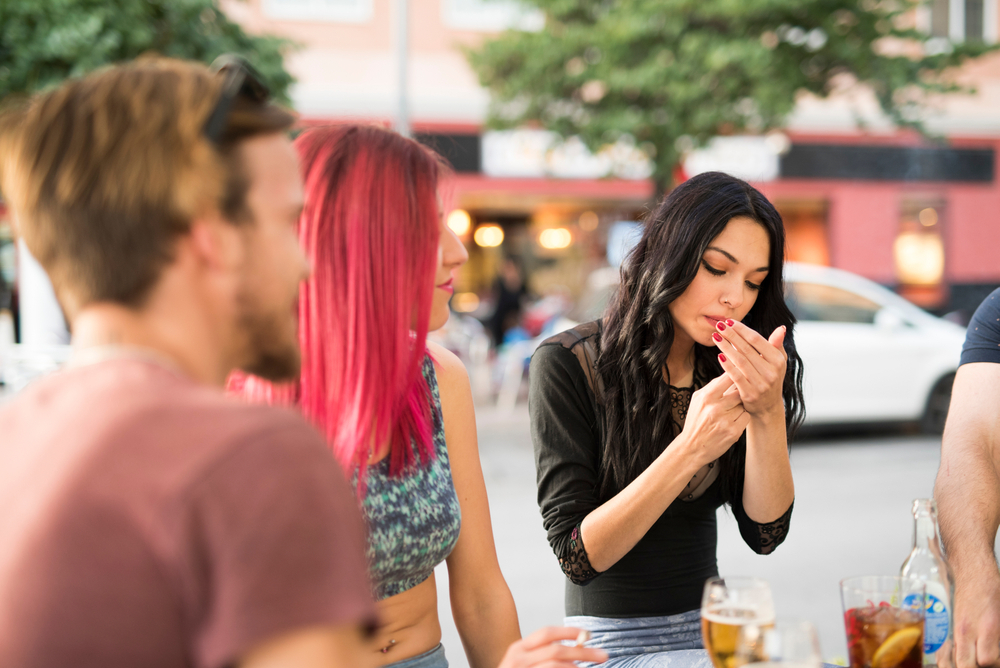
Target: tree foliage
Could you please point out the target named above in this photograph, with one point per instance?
(42, 42)
(674, 73)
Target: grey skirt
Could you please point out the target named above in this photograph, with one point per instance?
(432, 659)
(647, 642)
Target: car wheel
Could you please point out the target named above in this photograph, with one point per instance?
(937, 406)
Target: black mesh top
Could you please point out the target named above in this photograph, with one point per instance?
(665, 572)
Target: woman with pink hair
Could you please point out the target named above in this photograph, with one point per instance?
(396, 409)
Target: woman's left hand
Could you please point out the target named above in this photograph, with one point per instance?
(756, 365)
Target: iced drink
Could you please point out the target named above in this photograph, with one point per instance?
(884, 621)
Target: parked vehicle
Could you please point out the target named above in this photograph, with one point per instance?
(869, 355)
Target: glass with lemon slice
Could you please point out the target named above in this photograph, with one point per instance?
(884, 620)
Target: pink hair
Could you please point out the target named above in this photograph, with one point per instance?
(370, 231)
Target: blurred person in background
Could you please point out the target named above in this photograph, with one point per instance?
(396, 409)
(646, 421)
(146, 519)
(509, 291)
(967, 491)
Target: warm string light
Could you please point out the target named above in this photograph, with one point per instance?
(488, 236)
(555, 238)
(465, 302)
(919, 258)
(928, 217)
(460, 222)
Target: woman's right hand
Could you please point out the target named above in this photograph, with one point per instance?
(715, 419)
(544, 649)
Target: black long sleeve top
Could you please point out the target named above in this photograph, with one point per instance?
(664, 573)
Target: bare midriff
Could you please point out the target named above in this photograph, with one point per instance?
(409, 624)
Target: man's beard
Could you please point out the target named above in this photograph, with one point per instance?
(269, 354)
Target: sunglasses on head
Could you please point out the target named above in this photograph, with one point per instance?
(241, 80)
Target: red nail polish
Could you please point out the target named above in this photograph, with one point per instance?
(730, 323)
(721, 325)
(716, 336)
(722, 358)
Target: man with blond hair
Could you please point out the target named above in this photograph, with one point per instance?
(145, 519)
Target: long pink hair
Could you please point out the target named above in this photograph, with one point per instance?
(370, 231)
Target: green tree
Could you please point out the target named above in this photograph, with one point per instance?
(674, 73)
(43, 42)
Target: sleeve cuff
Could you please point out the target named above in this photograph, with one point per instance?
(973, 355)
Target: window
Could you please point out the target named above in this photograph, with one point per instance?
(959, 20)
(919, 250)
(814, 302)
(490, 15)
(339, 11)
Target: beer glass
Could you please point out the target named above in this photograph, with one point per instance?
(728, 604)
(884, 621)
(783, 645)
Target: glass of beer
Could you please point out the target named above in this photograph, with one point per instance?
(728, 604)
(884, 621)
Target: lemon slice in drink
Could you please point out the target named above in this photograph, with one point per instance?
(896, 647)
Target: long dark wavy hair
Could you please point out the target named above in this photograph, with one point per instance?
(638, 330)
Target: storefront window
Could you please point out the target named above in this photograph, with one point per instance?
(961, 20)
(806, 238)
(335, 11)
(918, 252)
(490, 15)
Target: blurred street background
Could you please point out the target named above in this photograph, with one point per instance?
(873, 126)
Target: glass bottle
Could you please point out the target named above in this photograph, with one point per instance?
(927, 563)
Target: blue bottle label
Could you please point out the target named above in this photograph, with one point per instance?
(935, 621)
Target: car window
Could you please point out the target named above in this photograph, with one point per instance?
(824, 303)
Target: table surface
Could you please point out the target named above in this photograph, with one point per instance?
(695, 658)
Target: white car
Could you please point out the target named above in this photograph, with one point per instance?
(869, 355)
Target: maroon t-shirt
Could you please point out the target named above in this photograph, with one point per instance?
(149, 521)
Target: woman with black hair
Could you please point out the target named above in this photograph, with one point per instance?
(679, 400)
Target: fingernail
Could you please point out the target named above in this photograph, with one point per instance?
(717, 336)
(721, 325)
(730, 323)
(722, 358)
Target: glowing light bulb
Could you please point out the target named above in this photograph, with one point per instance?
(459, 221)
(488, 236)
(465, 302)
(928, 217)
(919, 258)
(555, 238)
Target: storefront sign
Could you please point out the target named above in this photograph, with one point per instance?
(538, 154)
(749, 158)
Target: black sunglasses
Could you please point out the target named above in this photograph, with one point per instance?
(241, 79)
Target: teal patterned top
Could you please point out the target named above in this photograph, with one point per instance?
(413, 520)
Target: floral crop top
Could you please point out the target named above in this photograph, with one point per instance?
(413, 520)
